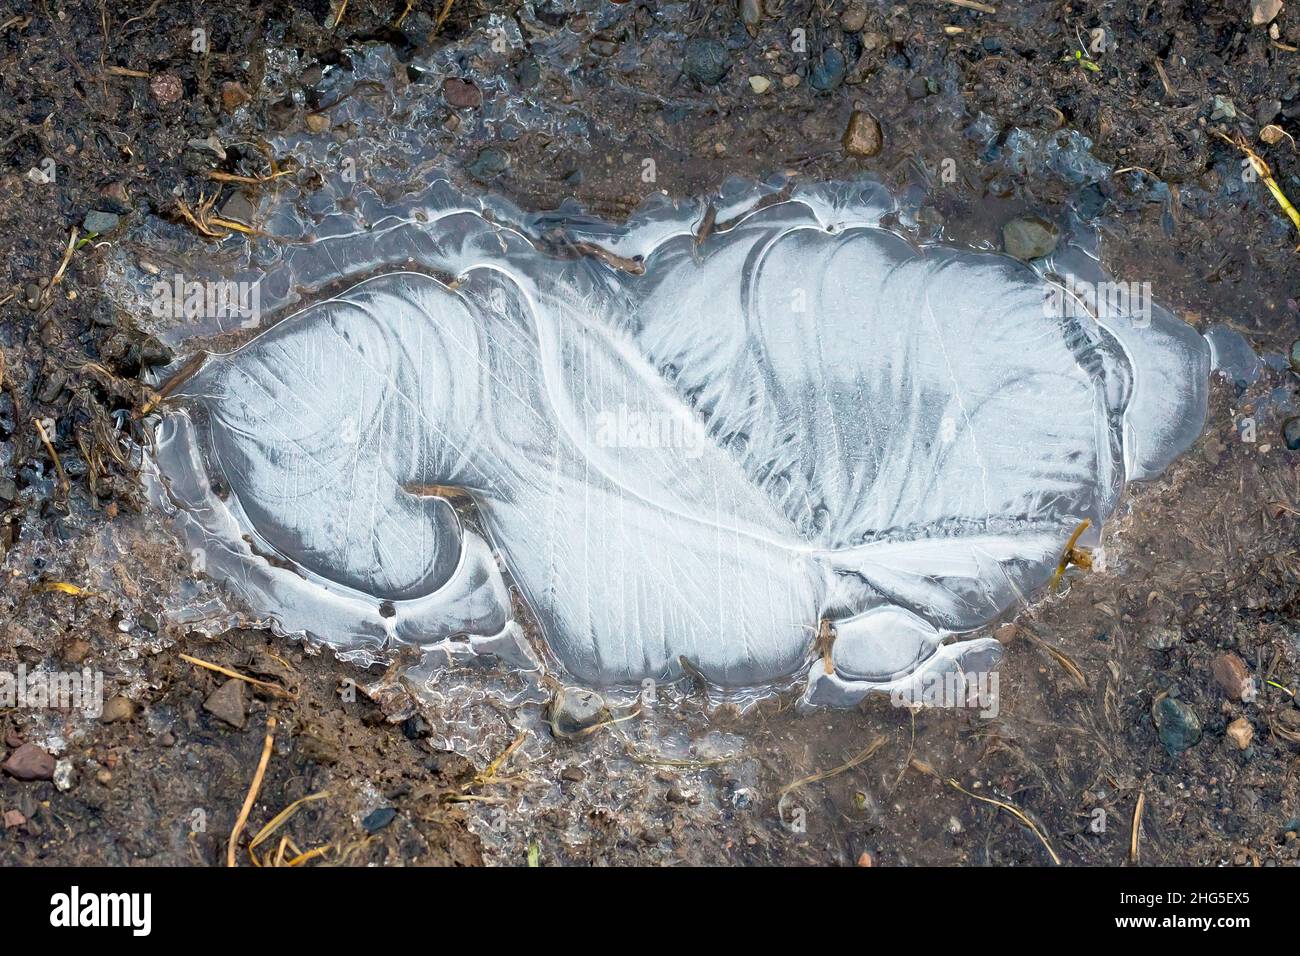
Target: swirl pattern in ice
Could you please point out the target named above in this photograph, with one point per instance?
(700, 456)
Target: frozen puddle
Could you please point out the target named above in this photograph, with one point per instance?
(687, 441)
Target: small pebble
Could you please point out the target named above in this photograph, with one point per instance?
(1231, 673)
(760, 84)
(1291, 433)
(462, 94)
(853, 19)
(1177, 723)
(29, 762)
(574, 709)
(828, 73)
(1241, 733)
(1223, 109)
(100, 223)
(1029, 237)
(379, 819)
(862, 137)
(62, 776)
(166, 88)
(1264, 11)
(226, 703)
(490, 163)
(117, 708)
(706, 61)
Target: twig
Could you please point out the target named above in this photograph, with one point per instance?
(62, 587)
(1015, 812)
(1071, 555)
(275, 689)
(280, 818)
(1137, 827)
(220, 177)
(973, 5)
(1060, 657)
(48, 294)
(183, 374)
(446, 9)
(1263, 171)
(49, 447)
(252, 790)
(833, 772)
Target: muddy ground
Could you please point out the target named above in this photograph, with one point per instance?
(101, 108)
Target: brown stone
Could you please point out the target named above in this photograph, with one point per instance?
(1272, 134)
(1231, 674)
(117, 708)
(862, 138)
(166, 88)
(14, 818)
(1241, 733)
(233, 96)
(462, 94)
(76, 651)
(30, 762)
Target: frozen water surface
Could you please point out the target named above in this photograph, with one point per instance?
(687, 440)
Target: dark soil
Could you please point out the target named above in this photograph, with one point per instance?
(1199, 563)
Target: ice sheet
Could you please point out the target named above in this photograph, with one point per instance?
(676, 449)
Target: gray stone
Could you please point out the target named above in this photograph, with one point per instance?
(1263, 12)
(1029, 237)
(1291, 433)
(706, 61)
(227, 703)
(1224, 108)
(100, 222)
(1178, 725)
(490, 163)
(379, 819)
(828, 73)
(1162, 638)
